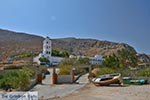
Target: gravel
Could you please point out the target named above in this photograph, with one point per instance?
(92, 92)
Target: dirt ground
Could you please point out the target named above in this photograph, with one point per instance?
(92, 92)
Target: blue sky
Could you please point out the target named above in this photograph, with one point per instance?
(125, 21)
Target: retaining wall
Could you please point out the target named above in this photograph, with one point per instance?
(65, 79)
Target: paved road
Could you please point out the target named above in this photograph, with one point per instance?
(50, 91)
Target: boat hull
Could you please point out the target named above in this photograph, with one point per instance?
(109, 79)
(132, 81)
(108, 82)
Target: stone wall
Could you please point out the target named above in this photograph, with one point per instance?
(65, 79)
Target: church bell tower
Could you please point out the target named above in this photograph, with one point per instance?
(47, 50)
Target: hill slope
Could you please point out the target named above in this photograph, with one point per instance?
(89, 47)
(12, 43)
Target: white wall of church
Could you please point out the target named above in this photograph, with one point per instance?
(47, 50)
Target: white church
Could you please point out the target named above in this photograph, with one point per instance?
(47, 48)
(47, 53)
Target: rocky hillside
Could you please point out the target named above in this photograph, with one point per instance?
(89, 47)
(12, 43)
(144, 58)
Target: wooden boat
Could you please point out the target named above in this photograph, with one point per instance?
(134, 81)
(108, 79)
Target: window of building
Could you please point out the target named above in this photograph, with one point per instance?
(47, 52)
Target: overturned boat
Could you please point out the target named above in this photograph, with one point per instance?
(107, 79)
(134, 81)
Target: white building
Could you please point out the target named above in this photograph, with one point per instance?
(79, 56)
(72, 56)
(96, 60)
(47, 52)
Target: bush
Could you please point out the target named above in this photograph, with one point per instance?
(144, 72)
(44, 60)
(16, 79)
(11, 67)
(29, 70)
(83, 61)
(57, 53)
(26, 55)
(64, 71)
(106, 70)
(9, 80)
(24, 80)
(125, 72)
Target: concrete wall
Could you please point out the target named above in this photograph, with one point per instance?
(64, 79)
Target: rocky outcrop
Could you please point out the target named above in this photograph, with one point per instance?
(89, 47)
(144, 58)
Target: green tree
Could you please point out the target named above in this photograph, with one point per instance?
(43, 59)
(68, 62)
(83, 61)
(79, 64)
(55, 52)
(124, 58)
(66, 65)
(65, 70)
(64, 54)
(111, 61)
(106, 70)
(127, 58)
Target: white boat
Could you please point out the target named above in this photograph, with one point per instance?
(107, 79)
